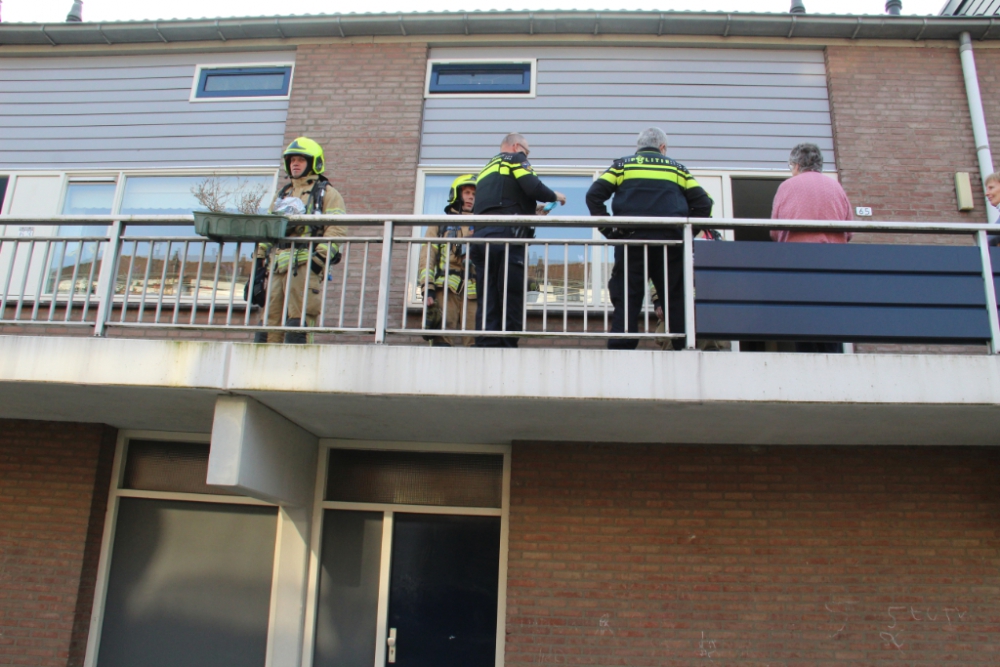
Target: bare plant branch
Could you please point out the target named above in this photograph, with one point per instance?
(217, 194)
(249, 197)
(212, 193)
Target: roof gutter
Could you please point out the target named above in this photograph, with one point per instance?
(627, 23)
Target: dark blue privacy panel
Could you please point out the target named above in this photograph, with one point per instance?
(995, 261)
(814, 291)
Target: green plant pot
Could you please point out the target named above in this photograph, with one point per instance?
(240, 227)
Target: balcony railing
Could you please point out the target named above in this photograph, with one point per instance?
(130, 280)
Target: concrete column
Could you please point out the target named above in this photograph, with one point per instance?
(257, 452)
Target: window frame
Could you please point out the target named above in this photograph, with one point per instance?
(120, 178)
(116, 492)
(201, 72)
(530, 93)
(388, 509)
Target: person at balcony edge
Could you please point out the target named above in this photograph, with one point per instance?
(307, 192)
(992, 187)
(809, 195)
(507, 185)
(647, 184)
(446, 262)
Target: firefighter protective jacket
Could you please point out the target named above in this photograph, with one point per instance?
(333, 203)
(649, 184)
(508, 186)
(435, 258)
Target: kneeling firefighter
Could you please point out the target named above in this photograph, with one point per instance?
(309, 192)
(450, 297)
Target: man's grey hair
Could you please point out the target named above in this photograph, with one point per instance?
(652, 136)
(808, 156)
(513, 138)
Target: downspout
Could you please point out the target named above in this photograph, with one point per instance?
(979, 133)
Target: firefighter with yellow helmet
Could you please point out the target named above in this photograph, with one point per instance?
(445, 276)
(308, 192)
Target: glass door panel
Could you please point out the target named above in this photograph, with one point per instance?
(347, 610)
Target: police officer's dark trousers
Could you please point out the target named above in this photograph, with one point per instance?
(505, 261)
(639, 270)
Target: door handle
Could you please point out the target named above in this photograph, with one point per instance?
(391, 641)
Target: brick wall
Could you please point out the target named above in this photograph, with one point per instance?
(988, 68)
(902, 129)
(364, 104)
(821, 556)
(53, 494)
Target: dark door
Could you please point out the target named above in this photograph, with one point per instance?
(752, 198)
(443, 590)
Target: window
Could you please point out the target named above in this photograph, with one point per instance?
(71, 264)
(175, 195)
(187, 571)
(562, 259)
(481, 78)
(3, 189)
(230, 82)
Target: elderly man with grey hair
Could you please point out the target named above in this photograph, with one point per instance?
(647, 184)
(809, 195)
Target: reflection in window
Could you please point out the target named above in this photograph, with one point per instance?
(3, 189)
(171, 267)
(565, 283)
(566, 263)
(480, 78)
(174, 195)
(244, 82)
(74, 265)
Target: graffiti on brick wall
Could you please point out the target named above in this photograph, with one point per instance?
(891, 630)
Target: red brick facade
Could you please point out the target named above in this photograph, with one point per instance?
(364, 104)
(662, 555)
(902, 129)
(54, 481)
(988, 68)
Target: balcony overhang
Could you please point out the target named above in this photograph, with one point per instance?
(497, 396)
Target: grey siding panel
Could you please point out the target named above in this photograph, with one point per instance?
(131, 112)
(133, 122)
(143, 106)
(722, 108)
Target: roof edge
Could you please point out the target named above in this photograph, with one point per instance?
(705, 24)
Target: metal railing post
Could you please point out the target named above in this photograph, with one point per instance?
(689, 287)
(991, 295)
(106, 279)
(382, 314)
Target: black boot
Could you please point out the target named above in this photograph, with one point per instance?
(294, 337)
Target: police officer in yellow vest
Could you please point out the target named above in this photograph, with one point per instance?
(507, 185)
(647, 184)
(308, 192)
(445, 263)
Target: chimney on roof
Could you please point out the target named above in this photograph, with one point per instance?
(76, 13)
(797, 7)
(893, 7)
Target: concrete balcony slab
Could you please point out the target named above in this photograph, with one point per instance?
(496, 396)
